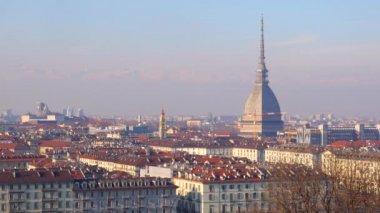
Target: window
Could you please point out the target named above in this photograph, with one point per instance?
(211, 188)
(67, 204)
(262, 196)
(224, 187)
(224, 208)
(212, 207)
(210, 196)
(232, 186)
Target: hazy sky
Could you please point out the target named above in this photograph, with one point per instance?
(190, 57)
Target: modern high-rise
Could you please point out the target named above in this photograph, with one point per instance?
(162, 125)
(262, 114)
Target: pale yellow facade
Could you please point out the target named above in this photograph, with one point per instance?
(308, 159)
(362, 167)
(213, 197)
(112, 166)
(242, 152)
(250, 153)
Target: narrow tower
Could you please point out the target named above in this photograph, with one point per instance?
(162, 125)
(262, 114)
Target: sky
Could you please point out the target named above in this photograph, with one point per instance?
(188, 57)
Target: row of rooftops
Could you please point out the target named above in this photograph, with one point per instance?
(356, 154)
(208, 144)
(154, 158)
(83, 180)
(222, 174)
(300, 148)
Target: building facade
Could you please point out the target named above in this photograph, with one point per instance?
(71, 191)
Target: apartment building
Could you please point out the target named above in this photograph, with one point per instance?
(307, 155)
(221, 190)
(58, 190)
(36, 191)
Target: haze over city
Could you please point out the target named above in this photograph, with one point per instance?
(188, 57)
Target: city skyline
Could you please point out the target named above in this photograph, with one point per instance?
(189, 58)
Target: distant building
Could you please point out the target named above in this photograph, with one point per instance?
(262, 114)
(46, 146)
(162, 125)
(80, 113)
(16, 147)
(294, 154)
(194, 123)
(325, 134)
(54, 118)
(7, 127)
(10, 161)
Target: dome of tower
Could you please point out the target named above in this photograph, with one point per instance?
(261, 101)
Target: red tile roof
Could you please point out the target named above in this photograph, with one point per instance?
(341, 144)
(14, 146)
(55, 143)
(38, 176)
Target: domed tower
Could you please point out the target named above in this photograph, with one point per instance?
(262, 114)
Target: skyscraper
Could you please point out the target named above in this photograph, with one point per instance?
(162, 125)
(262, 114)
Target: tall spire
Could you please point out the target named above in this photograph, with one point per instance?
(262, 55)
(261, 77)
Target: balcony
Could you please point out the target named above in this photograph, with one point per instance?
(50, 210)
(16, 211)
(16, 191)
(49, 199)
(48, 190)
(21, 200)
